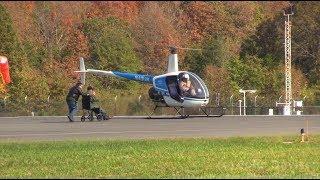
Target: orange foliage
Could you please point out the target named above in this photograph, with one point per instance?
(153, 33)
(197, 18)
(125, 10)
(273, 8)
(155, 25)
(21, 12)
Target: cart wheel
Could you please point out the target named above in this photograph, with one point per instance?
(83, 118)
(99, 117)
(90, 117)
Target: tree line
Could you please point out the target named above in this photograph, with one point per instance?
(242, 46)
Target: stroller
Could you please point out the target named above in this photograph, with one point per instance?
(89, 112)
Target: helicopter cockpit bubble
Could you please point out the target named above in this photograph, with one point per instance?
(192, 86)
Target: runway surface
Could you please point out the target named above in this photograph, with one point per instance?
(59, 128)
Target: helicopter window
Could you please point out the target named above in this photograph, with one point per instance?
(173, 88)
(191, 86)
(202, 84)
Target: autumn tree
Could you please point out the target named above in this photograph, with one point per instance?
(124, 10)
(235, 20)
(306, 39)
(241, 45)
(153, 34)
(26, 82)
(111, 48)
(267, 42)
(218, 80)
(8, 39)
(215, 51)
(9, 46)
(9, 42)
(248, 73)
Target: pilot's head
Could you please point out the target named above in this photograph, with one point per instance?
(185, 77)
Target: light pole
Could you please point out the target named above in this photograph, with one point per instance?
(5, 101)
(255, 101)
(255, 104)
(240, 107)
(244, 98)
(218, 99)
(231, 104)
(115, 104)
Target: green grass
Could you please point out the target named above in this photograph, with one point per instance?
(238, 157)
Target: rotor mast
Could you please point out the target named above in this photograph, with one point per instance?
(173, 60)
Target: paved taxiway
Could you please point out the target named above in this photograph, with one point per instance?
(58, 128)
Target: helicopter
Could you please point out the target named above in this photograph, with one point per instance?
(165, 90)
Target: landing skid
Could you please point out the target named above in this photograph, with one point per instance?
(183, 115)
(204, 110)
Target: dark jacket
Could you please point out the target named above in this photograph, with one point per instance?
(74, 93)
(94, 102)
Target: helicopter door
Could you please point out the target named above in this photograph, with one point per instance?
(173, 88)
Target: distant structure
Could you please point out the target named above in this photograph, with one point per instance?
(287, 47)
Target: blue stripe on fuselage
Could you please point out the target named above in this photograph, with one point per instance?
(160, 84)
(135, 77)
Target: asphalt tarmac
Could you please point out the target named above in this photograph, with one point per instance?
(125, 127)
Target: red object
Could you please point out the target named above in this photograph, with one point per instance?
(4, 69)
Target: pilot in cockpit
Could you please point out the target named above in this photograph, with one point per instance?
(185, 86)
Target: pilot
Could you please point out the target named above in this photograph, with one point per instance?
(185, 86)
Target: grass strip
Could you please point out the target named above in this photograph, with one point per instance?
(236, 157)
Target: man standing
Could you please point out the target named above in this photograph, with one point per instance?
(72, 100)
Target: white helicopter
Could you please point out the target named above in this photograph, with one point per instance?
(165, 90)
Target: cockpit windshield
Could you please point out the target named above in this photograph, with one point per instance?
(190, 85)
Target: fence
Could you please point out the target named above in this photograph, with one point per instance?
(251, 110)
(128, 105)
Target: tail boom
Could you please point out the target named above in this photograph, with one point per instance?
(130, 76)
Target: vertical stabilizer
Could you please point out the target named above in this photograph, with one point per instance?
(82, 71)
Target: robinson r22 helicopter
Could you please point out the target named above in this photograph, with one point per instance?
(165, 91)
